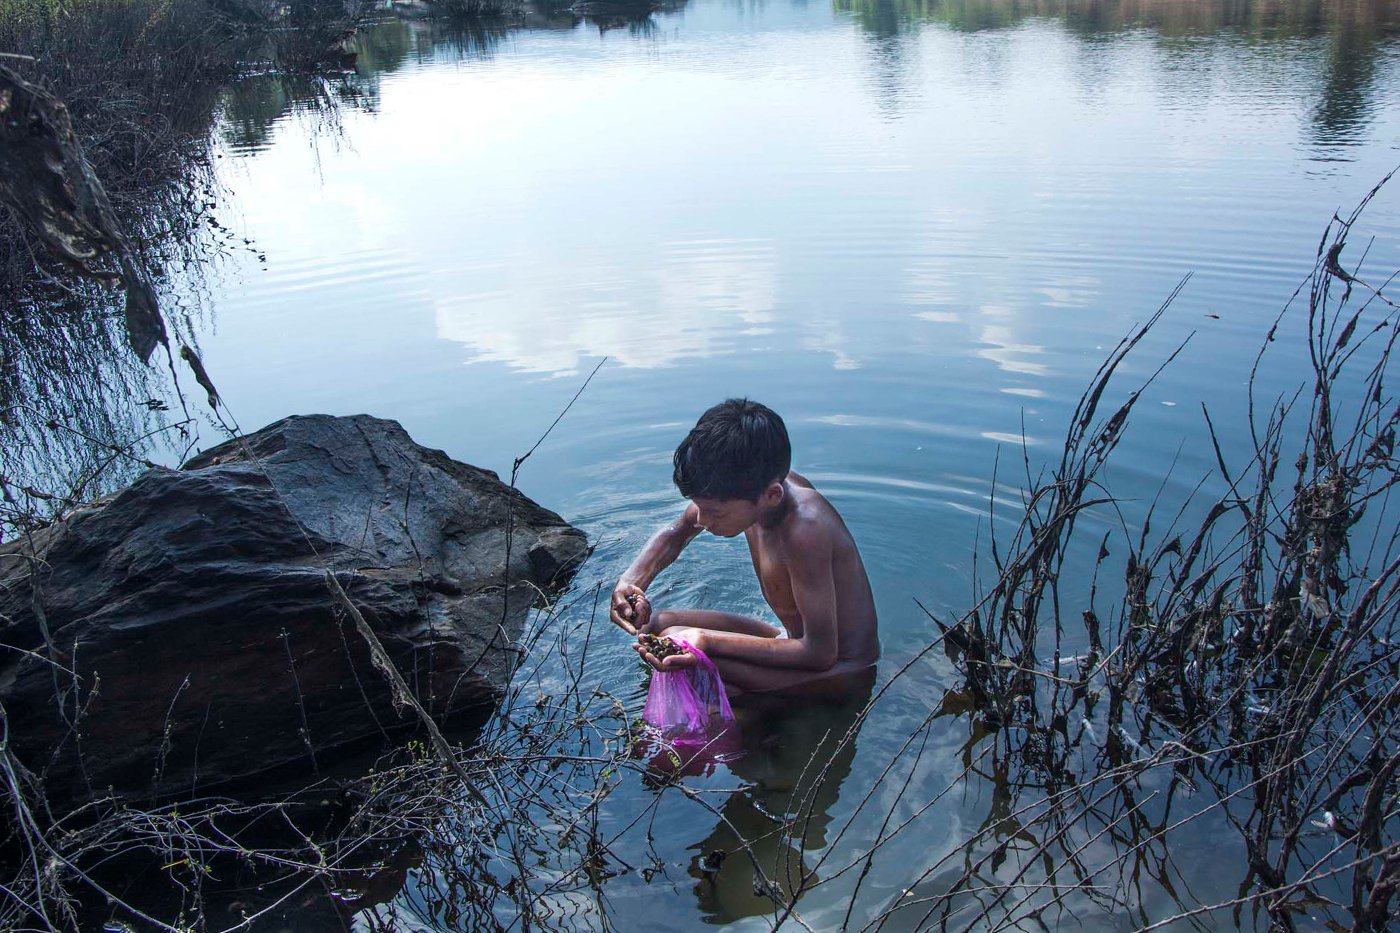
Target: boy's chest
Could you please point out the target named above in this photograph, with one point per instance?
(770, 563)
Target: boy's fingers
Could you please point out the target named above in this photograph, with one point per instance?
(616, 614)
(622, 623)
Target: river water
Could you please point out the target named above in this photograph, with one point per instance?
(913, 229)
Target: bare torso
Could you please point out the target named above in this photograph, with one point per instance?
(857, 635)
(837, 596)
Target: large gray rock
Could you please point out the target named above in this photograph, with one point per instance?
(193, 635)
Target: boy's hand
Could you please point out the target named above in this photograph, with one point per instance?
(630, 609)
(675, 662)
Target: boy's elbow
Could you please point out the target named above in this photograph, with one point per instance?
(821, 658)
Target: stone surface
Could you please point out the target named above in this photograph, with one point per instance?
(195, 641)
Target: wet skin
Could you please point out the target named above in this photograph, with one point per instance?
(811, 575)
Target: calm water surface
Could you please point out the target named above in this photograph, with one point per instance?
(912, 229)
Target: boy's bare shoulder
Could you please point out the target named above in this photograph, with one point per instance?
(814, 521)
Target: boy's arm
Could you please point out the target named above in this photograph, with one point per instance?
(658, 554)
(814, 589)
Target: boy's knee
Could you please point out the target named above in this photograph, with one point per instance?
(663, 619)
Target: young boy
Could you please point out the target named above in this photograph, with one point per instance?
(734, 467)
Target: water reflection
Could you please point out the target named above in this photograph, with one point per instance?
(633, 15)
(77, 408)
(544, 314)
(1000, 346)
(255, 105)
(729, 200)
(1255, 19)
(1349, 92)
(794, 763)
(1354, 32)
(407, 33)
(1348, 97)
(892, 56)
(677, 279)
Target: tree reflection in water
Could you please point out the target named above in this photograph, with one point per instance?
(1355, 33)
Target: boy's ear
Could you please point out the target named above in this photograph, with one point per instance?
(773, 493)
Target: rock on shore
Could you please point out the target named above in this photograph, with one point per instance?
(192, 639)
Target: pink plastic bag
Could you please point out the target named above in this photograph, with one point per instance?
(688, 706)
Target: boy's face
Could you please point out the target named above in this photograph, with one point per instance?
(729, 517)
(726, 517)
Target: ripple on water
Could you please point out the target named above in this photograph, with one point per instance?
(916, 244)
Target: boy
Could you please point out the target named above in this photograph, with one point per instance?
(734, 467)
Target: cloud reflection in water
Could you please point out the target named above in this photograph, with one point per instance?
(547, 315)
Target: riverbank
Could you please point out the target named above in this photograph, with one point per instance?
(143, 83)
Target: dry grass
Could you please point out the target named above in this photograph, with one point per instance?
(1244, 681)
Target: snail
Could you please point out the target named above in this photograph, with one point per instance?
(660, 646)
(633, 599)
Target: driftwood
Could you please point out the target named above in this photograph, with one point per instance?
(46, 180)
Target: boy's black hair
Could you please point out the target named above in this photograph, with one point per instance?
(734, 451)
